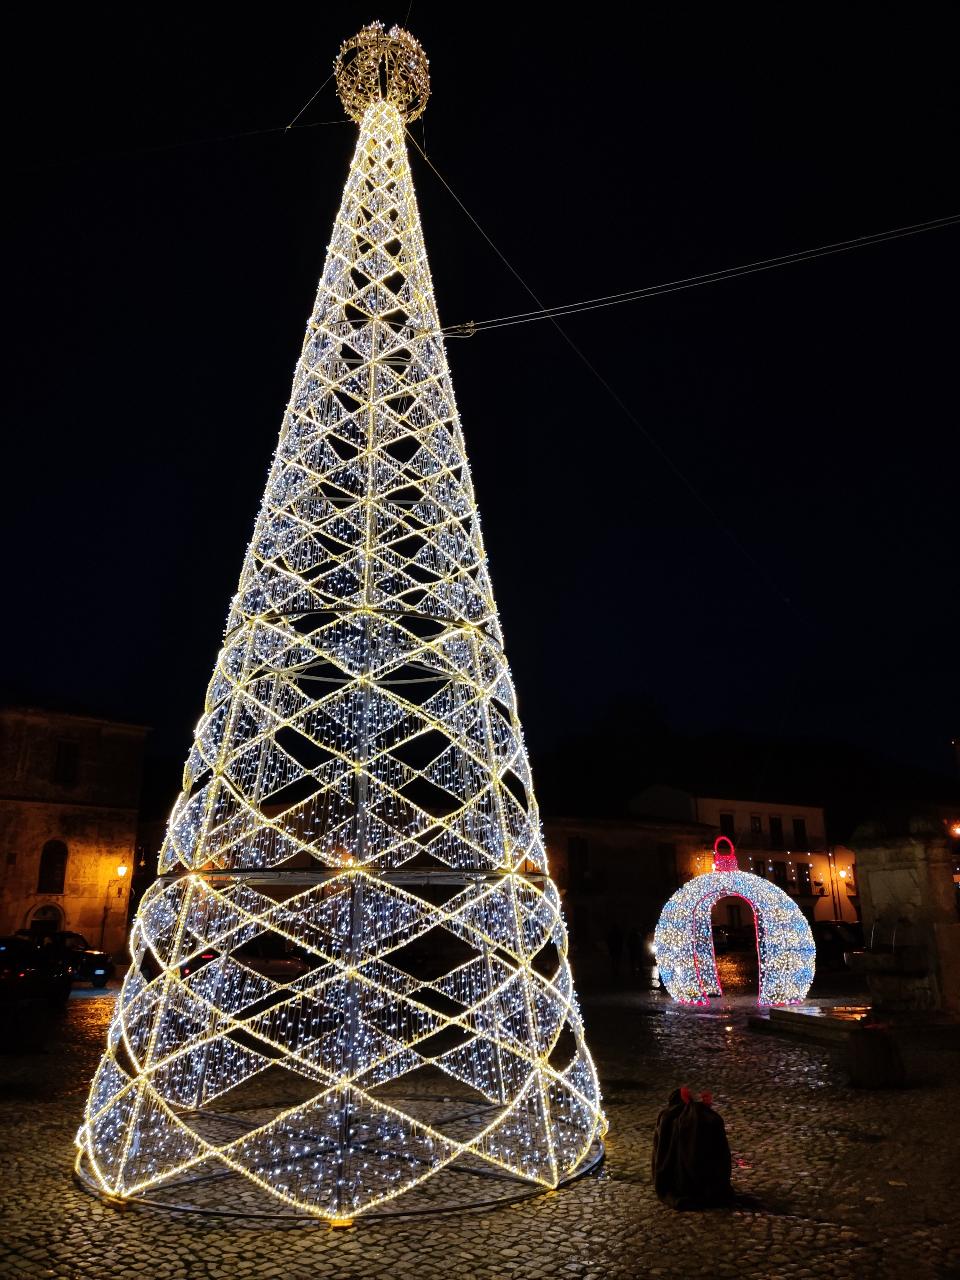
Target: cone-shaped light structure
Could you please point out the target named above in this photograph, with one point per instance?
(351, 981)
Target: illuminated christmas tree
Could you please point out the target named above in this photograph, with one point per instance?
(351, 980)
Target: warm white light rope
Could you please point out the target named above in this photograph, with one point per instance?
(358, 789)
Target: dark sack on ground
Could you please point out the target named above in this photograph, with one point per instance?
(691, 1155)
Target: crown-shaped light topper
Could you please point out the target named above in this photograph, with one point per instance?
(382, 66)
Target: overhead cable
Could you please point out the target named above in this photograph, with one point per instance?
(472, 327)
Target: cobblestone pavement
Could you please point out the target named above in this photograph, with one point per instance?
(846, 1183)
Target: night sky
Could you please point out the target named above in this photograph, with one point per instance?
(159, 293)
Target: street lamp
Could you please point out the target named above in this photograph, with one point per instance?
(122, 870)
(834, 886)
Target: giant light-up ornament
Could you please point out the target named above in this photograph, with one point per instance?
(683, 940)
(358, 798)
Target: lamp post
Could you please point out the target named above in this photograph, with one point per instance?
(834, 886)
(122, 870)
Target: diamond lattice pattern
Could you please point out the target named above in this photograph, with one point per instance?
(359, 749)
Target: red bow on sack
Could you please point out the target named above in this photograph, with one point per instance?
(687, 1096)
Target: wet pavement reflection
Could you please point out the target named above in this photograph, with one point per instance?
(739, 972)
(834, 1182)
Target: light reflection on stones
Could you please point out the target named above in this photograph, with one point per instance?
(818, 1156)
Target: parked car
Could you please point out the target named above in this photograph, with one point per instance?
(721, 939)
(834, 938)
(729, 937)
(86, 963)
(269, 954)
(30, 971)
(273, 957)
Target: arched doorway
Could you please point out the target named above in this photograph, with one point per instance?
(45, 919)
(684, 945)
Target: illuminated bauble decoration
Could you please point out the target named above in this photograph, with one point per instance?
(683, 940)
(378, 65)
(350, 983)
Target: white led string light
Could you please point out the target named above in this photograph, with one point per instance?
(683, 939)
(358, 792)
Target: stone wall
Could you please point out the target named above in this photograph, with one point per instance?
(614, 877)
(912, 932)
(76, 780)
(94, 898)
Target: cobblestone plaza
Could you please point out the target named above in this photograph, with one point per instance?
(834, 1181)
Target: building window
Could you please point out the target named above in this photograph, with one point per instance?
(803, 878)
(726, 825)
(53, 867)
(776, 832)
(759, 867)
(756, 824)
(800, 833)
(65, 764)
(780, 874)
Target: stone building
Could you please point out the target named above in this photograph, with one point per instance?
(783, 842)
(614, 875)
(69, 790)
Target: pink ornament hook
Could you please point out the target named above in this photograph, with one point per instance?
(724, 861)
